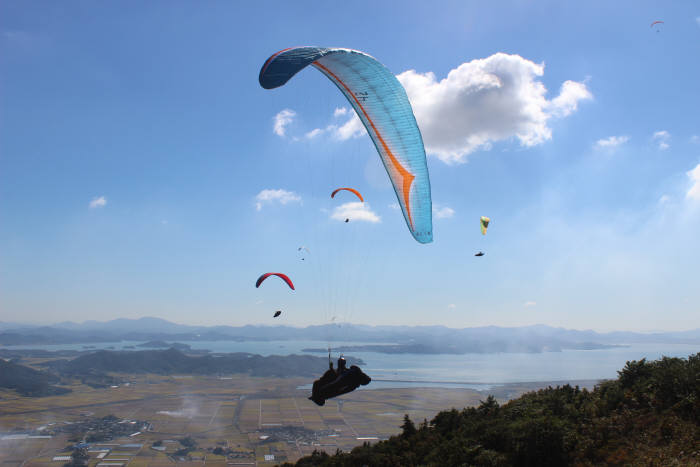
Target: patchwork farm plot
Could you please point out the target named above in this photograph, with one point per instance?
(188, 420)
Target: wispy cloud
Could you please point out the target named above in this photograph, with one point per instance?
(351, 128)
(282, 120)
(451, 306)
(314, 133)
(529, 303)
(694, 190)
(484, 101)
(21, 39)
(611, 142)
(355, 211)
(280, 196)
(442, 212)
(662, 139)
(566, 103)
(98, 202)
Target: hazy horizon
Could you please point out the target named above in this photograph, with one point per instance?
(281, 324)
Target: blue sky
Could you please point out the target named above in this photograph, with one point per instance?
(134, 140)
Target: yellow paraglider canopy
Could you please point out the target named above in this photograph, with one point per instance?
(484, 222)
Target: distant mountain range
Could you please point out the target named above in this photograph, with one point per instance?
(413, 339)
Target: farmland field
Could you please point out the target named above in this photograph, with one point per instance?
(253, 421)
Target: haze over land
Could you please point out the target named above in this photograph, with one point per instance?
(393, 339)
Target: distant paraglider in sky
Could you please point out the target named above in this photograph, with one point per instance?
(351, 190)
(284, 277)
(484, 224)
(303, 251)
(656, 23)
(382, 105)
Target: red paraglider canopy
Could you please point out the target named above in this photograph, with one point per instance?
(278, 274)
(351, 190)
(656, 22)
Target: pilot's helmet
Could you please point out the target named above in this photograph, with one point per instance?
(341, 362)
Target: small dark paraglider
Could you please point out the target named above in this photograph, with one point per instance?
(347, 220)
(335, 383)
(481, 253)
(656, 23)
(277, 313)
(303, 251)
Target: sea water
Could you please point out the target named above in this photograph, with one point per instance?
(468, 370)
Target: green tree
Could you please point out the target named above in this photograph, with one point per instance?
(408, 427)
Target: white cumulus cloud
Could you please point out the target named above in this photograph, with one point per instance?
(694, 191)
(611, 142)
(282, 119)
(485, 101)
(442, 212)
(355, 211)
(352, 128)
(662, 139)
(275, 196)
(567, 101)
(313, 133)
(98, 202)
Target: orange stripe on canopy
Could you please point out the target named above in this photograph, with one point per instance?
(406, 176)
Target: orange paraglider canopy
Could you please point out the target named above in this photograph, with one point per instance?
(351, 190)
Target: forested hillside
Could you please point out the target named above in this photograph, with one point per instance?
(28, 381)
(649, 415)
